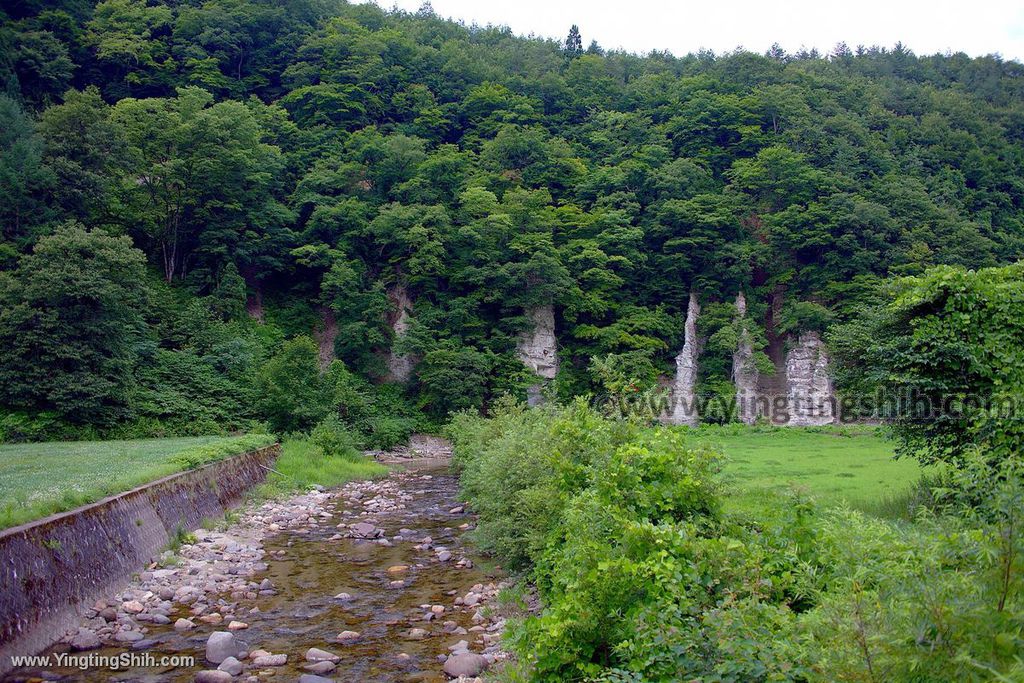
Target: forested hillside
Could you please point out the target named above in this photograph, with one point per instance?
(190, 189)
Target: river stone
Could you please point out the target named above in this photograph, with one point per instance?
(444, 556)
(128, 636)
(312, 678)
(271, 660)
(365, 530)
(315, 654)
(231, 665)
(221, 645)
(85, 640)
(416, 634)
(467, 664)
(212, 676)
(348, 636)
(320, 667)
(323, 667)
(184, 625)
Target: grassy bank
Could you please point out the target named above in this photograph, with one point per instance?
(302, 464)
(39, 479)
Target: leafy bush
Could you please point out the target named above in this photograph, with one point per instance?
(293, 395)
(333, 438)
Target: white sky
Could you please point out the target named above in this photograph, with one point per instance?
(977, 27)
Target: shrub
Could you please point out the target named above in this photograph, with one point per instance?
(294, 396)
(333, 438)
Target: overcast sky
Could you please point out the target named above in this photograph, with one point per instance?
(977, 27)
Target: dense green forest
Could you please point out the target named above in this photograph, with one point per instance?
(194, 196)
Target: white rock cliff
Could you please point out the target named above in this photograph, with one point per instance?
(810, 394)
(683, 410)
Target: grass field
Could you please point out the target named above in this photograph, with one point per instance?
(38, 479)
(854, 465)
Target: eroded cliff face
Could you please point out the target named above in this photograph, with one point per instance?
(325, 336)
(400, 366)
(538, 346)
(810, 392)
(684, 407)
(744, 372)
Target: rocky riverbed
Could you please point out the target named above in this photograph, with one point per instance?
(370, 582)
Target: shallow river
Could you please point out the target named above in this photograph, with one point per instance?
(308, 569)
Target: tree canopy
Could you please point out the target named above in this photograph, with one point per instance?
(272, 162)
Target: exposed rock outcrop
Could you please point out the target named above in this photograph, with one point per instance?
(744, 372)
(325, 336)
(400, 365)
(254, 294)
(684, 406)
(538, 346)
(810, 396)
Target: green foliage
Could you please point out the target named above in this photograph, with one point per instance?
(291, 170)
(804, 316)
(293, 395)
(947, 346)
(333, 439)
(643, 577)
(69, 321)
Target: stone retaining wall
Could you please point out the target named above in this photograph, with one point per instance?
(53, 568)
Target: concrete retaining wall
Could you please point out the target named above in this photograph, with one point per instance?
(53, 568)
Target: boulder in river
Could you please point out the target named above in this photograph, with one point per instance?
(221, 645)
(85, 640)
(465, 664)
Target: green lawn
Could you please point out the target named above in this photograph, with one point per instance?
(834, 465)
(38, 479)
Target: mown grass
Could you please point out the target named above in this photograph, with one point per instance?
(834, 465)
(302, 465)
(39, 479)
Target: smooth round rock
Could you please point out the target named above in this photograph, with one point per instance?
(466, 664)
